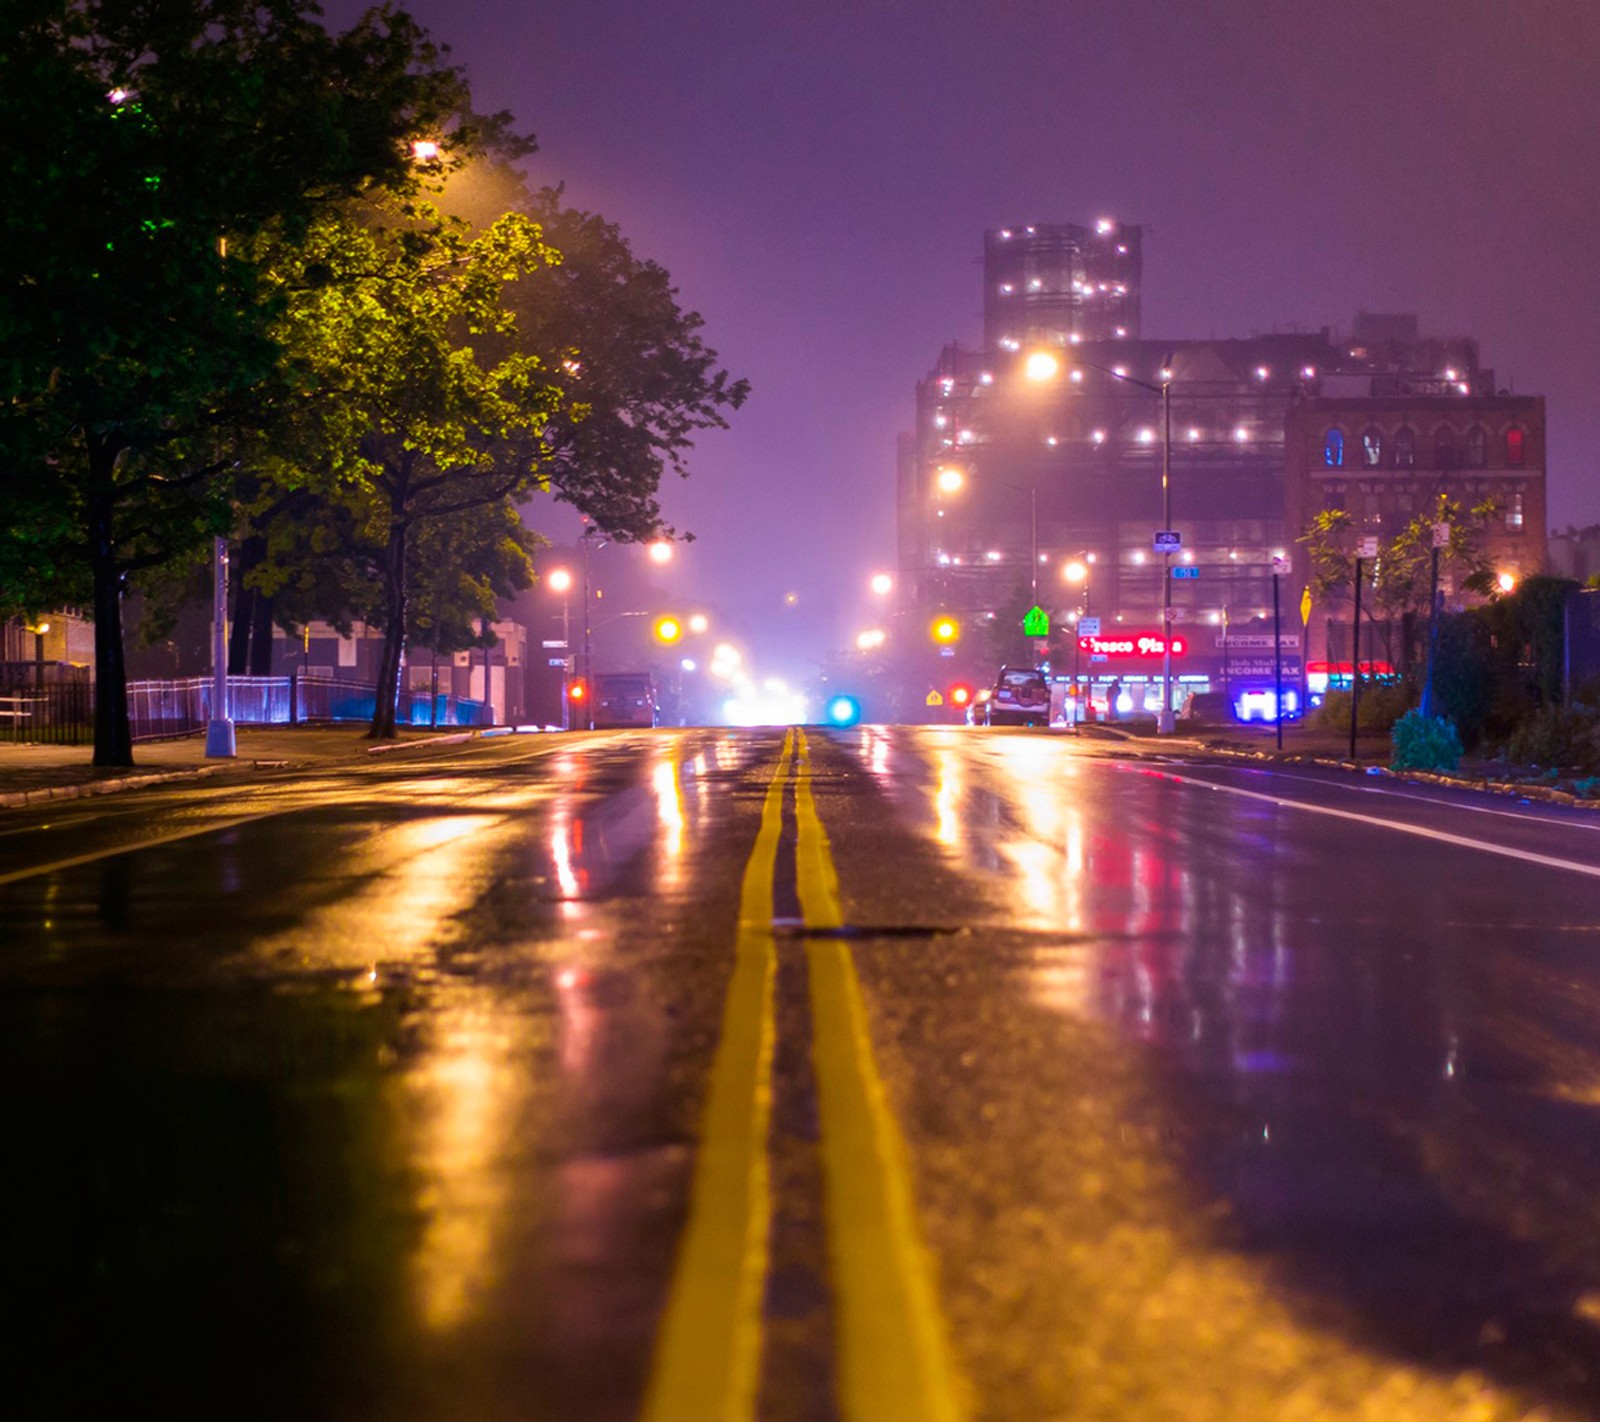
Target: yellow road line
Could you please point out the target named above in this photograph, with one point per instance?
(708, 1352)
(895, 1363)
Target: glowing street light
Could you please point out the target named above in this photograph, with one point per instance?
(660, 552)
(882, 584)
(1041, 366)
(949, 480)
(871, 639)
(425, 150)
(668, 630)
(945, 630)
(559, 580)
(1506, 581)
(699, 623)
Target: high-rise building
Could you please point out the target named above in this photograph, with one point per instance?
(1056, 284)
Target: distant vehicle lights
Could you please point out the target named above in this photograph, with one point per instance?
(843, 711)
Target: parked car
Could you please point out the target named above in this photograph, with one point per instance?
(1021, 697)
(1207, 708)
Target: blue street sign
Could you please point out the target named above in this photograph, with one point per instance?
(1182, 571)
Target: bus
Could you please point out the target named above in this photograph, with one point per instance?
(624, 699)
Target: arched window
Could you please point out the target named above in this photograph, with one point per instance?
(1405, 448)
(1516, 445)
(1333, 449)
(1445, 455)
(1477, 447)
(1371, 448)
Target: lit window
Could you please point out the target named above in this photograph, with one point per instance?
(1036, 285)
(1099, 436)
(987, 378)
(1104, 225)
(1122, 331)
(1194, 434)
(1333, 449)
(1516, 445)
(1514, 512)
(1147, 436)
(1052, 441)
(1477, 447)
(1241, 435)
(1372, 449)
(1006, 288)
(1405, 448)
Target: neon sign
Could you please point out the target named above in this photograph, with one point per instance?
(1131, 644)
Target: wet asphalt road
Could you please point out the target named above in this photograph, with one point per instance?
(870, 1074)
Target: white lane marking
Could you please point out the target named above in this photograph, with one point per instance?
(1399, 793)
(1526, 855)
(80, 859)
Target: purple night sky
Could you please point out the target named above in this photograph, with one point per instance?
(817, 177)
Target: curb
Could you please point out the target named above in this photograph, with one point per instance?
(13, 799)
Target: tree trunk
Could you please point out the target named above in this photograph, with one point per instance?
(261, 636)
(113, 736)
(394, 634)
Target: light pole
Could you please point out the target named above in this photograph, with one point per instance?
(1044, 366)
(220, 743)
(1077, 571)
(588, 691)
(560, 581)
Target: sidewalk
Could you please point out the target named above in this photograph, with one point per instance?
(31, 773)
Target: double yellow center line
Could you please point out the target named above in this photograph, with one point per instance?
(894, 1358)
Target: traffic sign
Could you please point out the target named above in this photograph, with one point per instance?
(1168, 540)
(1366, 548)
(1089, 626)
(1441, 535)
(934, 699)
(1036, 623)
(1185, 570)
(1305, 607)
(1280, 565)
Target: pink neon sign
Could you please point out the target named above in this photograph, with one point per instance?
(1131, 644)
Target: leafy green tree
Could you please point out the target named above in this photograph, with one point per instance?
(425, 409)
(146, 143)
(618, 378)
(1400, 577)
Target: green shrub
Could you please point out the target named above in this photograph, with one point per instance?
(1424, 743)
(1564, 736)
(1382, 704)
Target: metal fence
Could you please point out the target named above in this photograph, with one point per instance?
(46, 702)
(57, 704)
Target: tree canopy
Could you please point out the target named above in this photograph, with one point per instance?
(147, 142)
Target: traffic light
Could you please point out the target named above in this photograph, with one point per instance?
(945, 630)
(577, 690)
(959, 695)
(668, 629)
(843, 710)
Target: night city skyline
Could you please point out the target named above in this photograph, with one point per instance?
(818, 185)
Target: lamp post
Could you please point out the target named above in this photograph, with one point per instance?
(589, 541)
(560, 581)
(1077, 571)
(1043, 366)
(38, 629)
(220, 743)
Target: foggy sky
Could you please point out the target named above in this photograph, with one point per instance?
(817, 177)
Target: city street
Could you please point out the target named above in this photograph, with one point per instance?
(888, 1074)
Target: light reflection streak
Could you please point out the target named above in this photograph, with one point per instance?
(669, 810)
(465, 1095)
(408, 881)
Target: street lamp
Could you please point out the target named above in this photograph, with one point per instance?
(882, 584)
(38, 629)
(1165, 721)
(560, 581)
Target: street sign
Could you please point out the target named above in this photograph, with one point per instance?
(1280, 565)
(1257, 641)
(1441, 535)
(1185, 571)
(560, 643)
(1366, 548)
(1089, 626)
(1168, 540)
(934, 699)
(1036, 623)
(556, 662)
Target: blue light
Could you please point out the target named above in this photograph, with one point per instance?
(843, 711)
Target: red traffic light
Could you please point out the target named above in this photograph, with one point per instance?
(959, 695)
(577, 691)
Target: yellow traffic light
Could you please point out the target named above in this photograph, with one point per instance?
(668, 630)
(945, 630)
